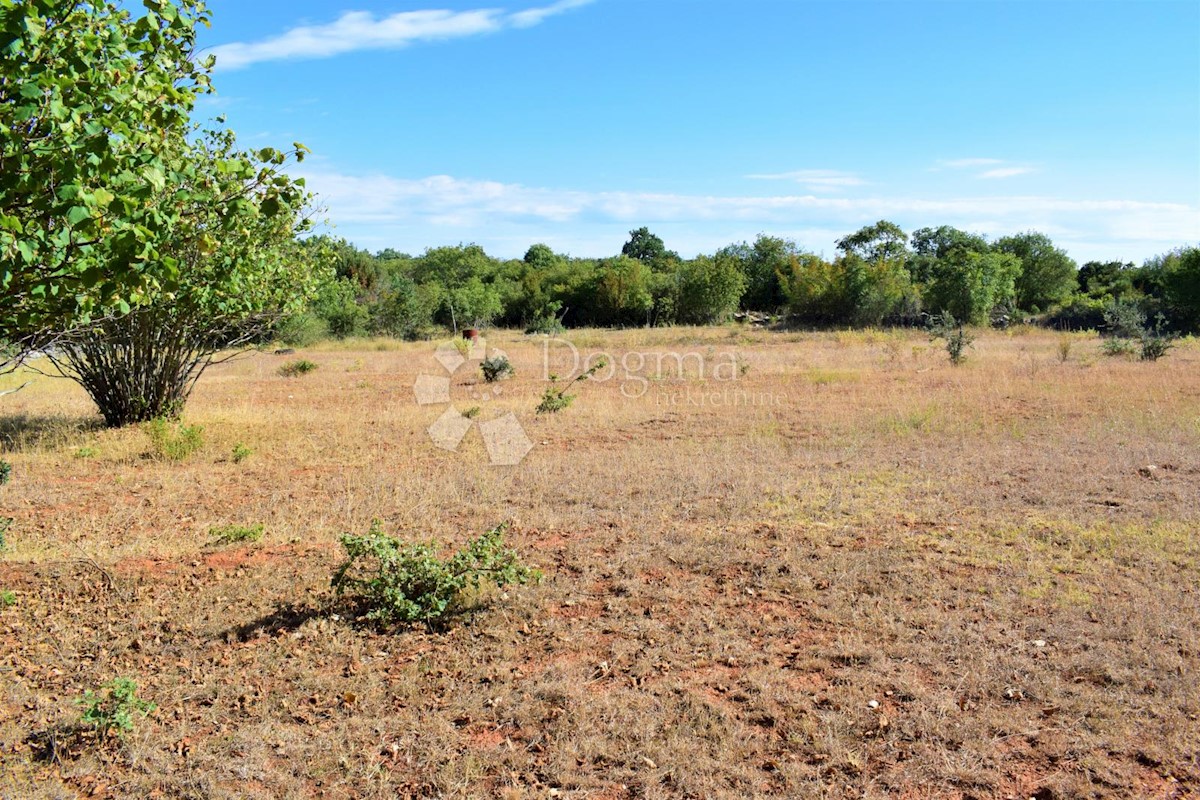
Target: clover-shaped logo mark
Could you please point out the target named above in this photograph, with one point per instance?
(503, 437)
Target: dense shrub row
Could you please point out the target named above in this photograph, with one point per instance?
(880, 275)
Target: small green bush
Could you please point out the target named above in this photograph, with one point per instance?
(1064, 348)
(231, 534)
(240, 453)
(496, 368)
(1117, 347)
(1154, 346)
(85, 452)
(546, 324)
(174, 441)
(403, 583)
(1124, 319)
(8, 598)
(114, 708)
(1155, 342)
(294, 369)
(5, 472)
(555, 399)
(1130, 332)
(944, 326)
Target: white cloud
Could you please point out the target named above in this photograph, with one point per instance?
(970, 163)
(1006, 172)
(534, 16)
(999, 167)
(384, 211)
(361, 30)
(814, 179)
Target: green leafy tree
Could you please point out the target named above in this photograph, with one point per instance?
(337, 306)
(931, 244)
(240, 270)
(879, 242)
(403, 309)
(762, 263)
(1106, 279)
(1183, 289)
(476, 303)
(709, 289)
(875, 291)
(649, 249)
(451, 269)
(815, 290)
(970, 285)
(1171, 285)
(93, 106)
(1048, 275)
(874, 273)
(623, 291)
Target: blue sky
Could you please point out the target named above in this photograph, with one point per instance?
(572, 122)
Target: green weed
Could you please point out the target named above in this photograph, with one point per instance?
(115, 707)
(231, 534)
(399, 582)
(174, 441)
(294, 369)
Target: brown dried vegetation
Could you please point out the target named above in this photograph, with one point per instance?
(873, 575)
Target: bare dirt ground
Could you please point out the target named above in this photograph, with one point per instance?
(800, 565)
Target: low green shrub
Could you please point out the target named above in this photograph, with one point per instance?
(406, 583)
(231, 534)
(944, 326)
(546, 324)
(5, 472)
(115, 707)
(555, 399)
(1117, 347)
(496, 368)
(240, 453)
(174, 441)
(294, 369)
(8, 598)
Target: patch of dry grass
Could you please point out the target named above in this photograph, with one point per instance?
(846, 570)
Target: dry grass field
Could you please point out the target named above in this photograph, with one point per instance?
(812, 565)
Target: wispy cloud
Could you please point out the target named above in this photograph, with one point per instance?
(362, 30)
(969, 163)
(815, 180)
(999, 168)
(1006, 172)
(534, 16)
(465, 206)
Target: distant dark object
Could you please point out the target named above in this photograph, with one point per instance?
(471, 334)
(285, 351)
(752, 318)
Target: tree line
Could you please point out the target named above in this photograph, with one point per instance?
(137, 245)
(880, 275)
